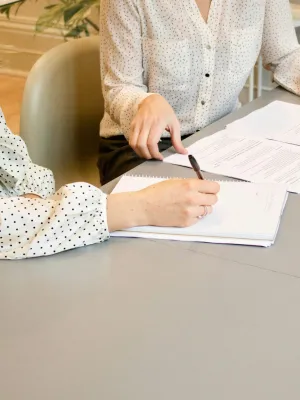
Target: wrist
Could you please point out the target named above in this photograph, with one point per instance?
(136, 206)
(149, 99)
(126, 210)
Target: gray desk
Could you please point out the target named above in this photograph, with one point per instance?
(147, 320)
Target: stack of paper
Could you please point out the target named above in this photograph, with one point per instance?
(250, 159)
(277, 121)
(245, 213)
(244, 149)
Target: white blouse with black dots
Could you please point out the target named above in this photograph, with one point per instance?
(165, 47)
(74, 216)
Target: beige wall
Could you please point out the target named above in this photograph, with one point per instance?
(19, 46)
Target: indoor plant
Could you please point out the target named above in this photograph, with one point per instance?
(74, 17)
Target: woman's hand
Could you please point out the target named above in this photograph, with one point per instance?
(179, 202)
(175, 202)
(153, 117)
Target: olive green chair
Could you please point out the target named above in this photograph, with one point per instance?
(61, 111)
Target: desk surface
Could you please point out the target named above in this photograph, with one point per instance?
(143, 319)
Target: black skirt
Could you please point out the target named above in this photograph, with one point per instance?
(116, 157)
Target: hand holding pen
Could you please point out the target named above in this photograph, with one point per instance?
(196, 168)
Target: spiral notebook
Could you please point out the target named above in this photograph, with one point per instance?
(246, 213)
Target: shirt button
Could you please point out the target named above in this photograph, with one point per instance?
(207, 75)
(208, 47)
(202, 102)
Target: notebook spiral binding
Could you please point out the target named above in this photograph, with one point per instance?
(178, 177)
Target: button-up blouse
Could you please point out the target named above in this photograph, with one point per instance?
(166, 47)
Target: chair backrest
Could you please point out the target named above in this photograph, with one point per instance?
(61, 111)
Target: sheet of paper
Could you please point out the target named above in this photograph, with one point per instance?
(277, 121)
(250, 159)
(185, 238)
(245, 214)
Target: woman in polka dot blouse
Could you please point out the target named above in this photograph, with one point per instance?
(35, 221)
(169, 68)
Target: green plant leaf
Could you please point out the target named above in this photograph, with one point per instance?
(6, 9)
(50, 18)
(49, 6)
(70, 12)
(70, 15)
(77, 31)
(19, 5)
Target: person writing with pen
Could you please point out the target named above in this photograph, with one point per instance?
(37, 221)
(170, 68)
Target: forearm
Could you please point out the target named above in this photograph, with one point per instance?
(18, 175)
(280, 47)
(122, 104)
(75, 216)
(279, 36)
(123, 210)
(287, 72)
(121, 61)
(126, 210)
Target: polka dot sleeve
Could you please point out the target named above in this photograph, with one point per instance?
(18, 175)
(75, 216)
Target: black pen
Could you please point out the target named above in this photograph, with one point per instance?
(195, 166)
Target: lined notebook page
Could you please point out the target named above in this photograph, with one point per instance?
(244, 211)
